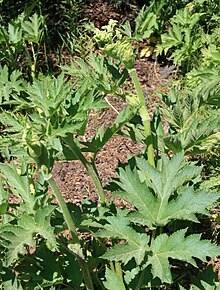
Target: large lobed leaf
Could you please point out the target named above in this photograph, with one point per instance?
(32, 28)
(135, 246)
(179, 247)
(49, 95)
(160, 196)
(10, 84)
(97, 72)
(15, 238)
(31, 217)
(19, 185)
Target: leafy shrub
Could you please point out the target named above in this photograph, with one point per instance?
(188, 33)
(61, 16)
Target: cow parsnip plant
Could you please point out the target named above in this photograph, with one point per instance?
(20, 33)
(165, 200)
(191, 30)
(194, 118)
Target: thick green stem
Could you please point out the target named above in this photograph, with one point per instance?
(144, 116)
(90, 169)
(153, 236)
(72, 228)
(140, 281)
(65, 210)
(86, 274)
(33, 66)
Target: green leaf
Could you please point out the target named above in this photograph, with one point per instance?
(19, 184)
(195, 136)
(12, 284)
(97, 72)
(187, 204)
(48, 94)
(72, 270)
(179, 247)
(15, 33)
(145, 24)
(113, 281)
(172, 174)
(10, 85)
(206, 280)
(206, 286)
(160, 196)
(136, 244)
(174, 143)
(139, 195)
(16, 237)
(129, 275)
(43, 227)
(3, 200)
(43, 269)
(189, 132)
(181, 287)
(11, 121)
(172, 38)
(31, 28)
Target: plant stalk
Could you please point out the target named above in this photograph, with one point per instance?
(33, 66)
(65, 210)
(140, 281)
(153, 236)
(90, 169)
(144, 116)
(72, 228)
(86, 274)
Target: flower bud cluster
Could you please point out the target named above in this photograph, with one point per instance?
(107, 33)
(113, 43)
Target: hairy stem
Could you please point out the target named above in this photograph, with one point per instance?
(72, 228)
(33, 66)
(86, 274)
(89, 167)
(153, 236)
(144, 116)
(140, 281)
(65, 210)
